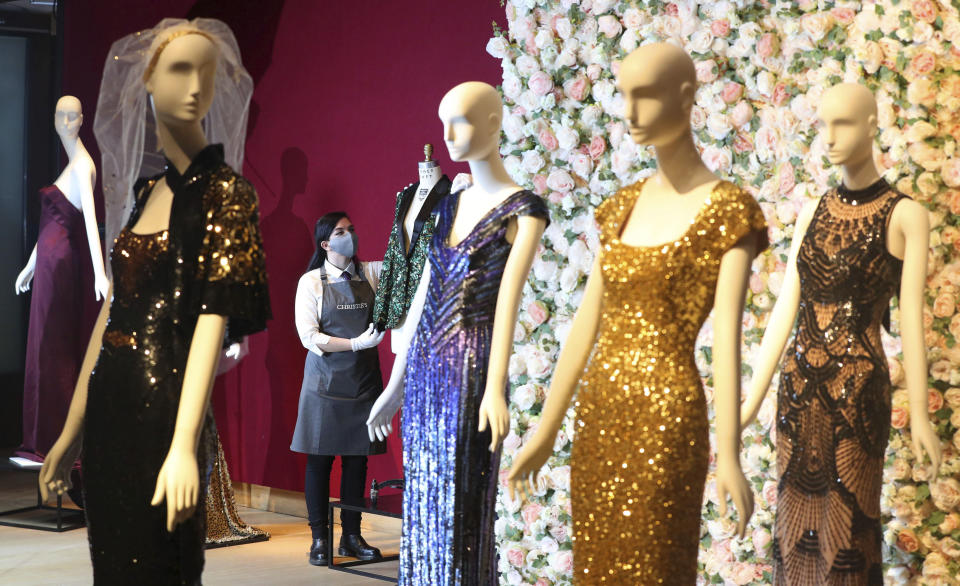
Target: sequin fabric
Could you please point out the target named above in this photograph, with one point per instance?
(450, 473)
(224, 525)
(161, 286)
(640, 453)
(833, 404)
(402, 268)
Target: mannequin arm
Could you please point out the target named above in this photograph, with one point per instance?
(84, 175)
(570, 364)
(727, 322)
(779, 326)
(914, 223)
(179, 479)
(380, 421)
(26, 275)
(55, 473)
(493, 407)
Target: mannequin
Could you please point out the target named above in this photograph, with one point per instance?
(816, 390)
(61, 308)
(455, 410)
(672, 245)
(188, 274)
(414, 220)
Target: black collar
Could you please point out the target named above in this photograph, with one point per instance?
(440, 189)
(209, 157)
(862, 196)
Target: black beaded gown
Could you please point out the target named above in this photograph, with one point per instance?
(210, 260)
(833, 410)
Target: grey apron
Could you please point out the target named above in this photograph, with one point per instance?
(339, 388)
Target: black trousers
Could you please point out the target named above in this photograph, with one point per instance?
(353, 479)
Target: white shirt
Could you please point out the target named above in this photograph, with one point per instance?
(308, 306)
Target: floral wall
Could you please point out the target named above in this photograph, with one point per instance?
(762, 68)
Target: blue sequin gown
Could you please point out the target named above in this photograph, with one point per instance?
(450, 473)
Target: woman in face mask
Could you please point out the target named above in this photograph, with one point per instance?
(341, 380)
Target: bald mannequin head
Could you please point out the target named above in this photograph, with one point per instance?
(471, 114)
(848, 117)
(68, 117)
(659, 84)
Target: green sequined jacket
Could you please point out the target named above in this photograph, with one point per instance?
(402, 268)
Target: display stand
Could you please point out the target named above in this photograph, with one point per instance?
(61, 520)
(390, 505)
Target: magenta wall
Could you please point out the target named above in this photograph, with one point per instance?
(346, 95)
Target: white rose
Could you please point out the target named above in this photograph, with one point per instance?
(920, 130)
(513, 127)
(629, 40)
(765, 83)
(581, 164)
(718, 126)
(567, 137)
(700, 41)
(601, 6)
(566, 59)
(532, 161)
(927, 183)
(928, 157)
(544, 270)
(498, 47)
(529, 101)
(717, 159)
(590, 116)
(527, 65)
(538, 363)
(523, 397)
(564, 28)
(543, 39)
(633, 18)
(560, 180)
(512, 87)
(580, 256)
(569, 278)
(514, 168)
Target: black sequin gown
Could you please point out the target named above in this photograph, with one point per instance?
(210, 260)
(833, 410)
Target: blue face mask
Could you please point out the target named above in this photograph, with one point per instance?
(345, 244)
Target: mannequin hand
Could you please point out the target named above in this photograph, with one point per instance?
(233, 352)
(527, 465)
(731, 482)
(23, 280)
(101, 285)
(460, 182)
(55, 472)
(368, 339)
(926, 440)
(380, 421)
(178, 483)
(493, 411)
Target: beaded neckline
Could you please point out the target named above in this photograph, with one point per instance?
(856, 197)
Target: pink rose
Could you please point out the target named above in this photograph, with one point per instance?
(742, 114)
(706, 71)
(548, 139)
(515, 557)
(742, 142)
(944, 305)
(559, 532)
(780, 94)
(530, 44)
(899, 417)
(769, 492)
(597, 147)
(953, 201)
(922, 63)
(843, 15)
(761, 539)
(768, 45)
(609, 25)
(540, 83)
(950, 523)
(541, 582)
(531, 513)
(563, 562)
(539, 184)
(950, 172)
(934, 400)
(577, 88)
(743, 573)
(924, 10)
(732, 91)
(537, 312)
(756, 282)
(594, 71)
(560, 180)
(786, 178)
(907, 541)
(720, 28)
(671, 9)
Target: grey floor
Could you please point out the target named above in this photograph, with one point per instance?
(31, 557)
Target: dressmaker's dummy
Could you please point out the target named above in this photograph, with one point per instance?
(187, 269)
(672, 247)
(414, 220)
(452, 381)
(852, 250)
(67, 268)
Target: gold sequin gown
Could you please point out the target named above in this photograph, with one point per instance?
(641, 448)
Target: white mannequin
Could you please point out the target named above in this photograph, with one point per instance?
(76, 183)
(848, 113)
(671, 199)
(430, 173)
(471, 115)
(181, 87)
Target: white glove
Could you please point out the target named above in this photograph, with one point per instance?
(368, 339)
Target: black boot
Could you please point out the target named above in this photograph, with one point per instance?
(355, 546)
(318, 552)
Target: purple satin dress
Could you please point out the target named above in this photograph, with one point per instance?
(62, 311)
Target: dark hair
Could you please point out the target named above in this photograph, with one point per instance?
(322, 231)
